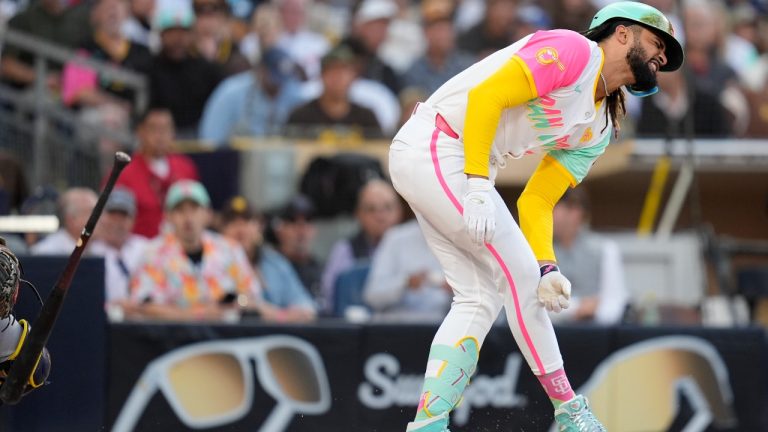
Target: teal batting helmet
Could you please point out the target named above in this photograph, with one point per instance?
(649, 17)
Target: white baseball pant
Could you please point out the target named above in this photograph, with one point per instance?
(426, 164)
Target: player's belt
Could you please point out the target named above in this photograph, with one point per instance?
(440, 123)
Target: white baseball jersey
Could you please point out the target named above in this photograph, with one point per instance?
(564, 120)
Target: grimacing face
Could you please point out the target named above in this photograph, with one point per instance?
(645, 58)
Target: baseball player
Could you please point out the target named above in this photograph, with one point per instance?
(13, 332)
(555, 92)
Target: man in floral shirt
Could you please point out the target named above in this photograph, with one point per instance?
(189, 273)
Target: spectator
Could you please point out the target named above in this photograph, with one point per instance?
(178, 80)
(113, 239)
(253, 103)
(378, 209)
(668, 113)
(74, 208)
(592, 263)
(405, 40)
(305, 47)
(530, 19)
(494, 32)
(704, 57)
(154, 168)
(108, 43)
(13, 181)
(138, 26)
(442, 60)
(334, 109)
(370, 27)
(189, 273)
(42, 202)
(572, 14)
(406, 280)
(281, 285)
(293, 231)
(59, 22)
(213, 38)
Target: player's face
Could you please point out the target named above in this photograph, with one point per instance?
(645, 58)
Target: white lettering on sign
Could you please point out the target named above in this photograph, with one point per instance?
(385, 387)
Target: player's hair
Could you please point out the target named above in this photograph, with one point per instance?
(615, 101)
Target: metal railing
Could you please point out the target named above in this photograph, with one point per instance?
(58, 154)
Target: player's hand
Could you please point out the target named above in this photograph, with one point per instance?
(479, 210)
(554, 291)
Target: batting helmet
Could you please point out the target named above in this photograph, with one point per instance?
(649, 17)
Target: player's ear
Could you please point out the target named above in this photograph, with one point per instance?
(621, 34)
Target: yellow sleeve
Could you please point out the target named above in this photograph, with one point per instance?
(509, 86)
(545, 187)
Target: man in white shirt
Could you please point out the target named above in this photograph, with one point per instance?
(74, 208)
(122, 250)
(406, 281)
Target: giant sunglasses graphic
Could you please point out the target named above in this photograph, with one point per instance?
(636, 388)
(211, 384)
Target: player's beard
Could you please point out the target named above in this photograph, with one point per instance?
(645, 78)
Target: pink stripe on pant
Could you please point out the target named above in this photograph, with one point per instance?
(442, 126)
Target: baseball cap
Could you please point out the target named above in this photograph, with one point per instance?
(279, 65)
(43, 201)
(237, 208)
(167, 18)
(372, 10)
(187, 190)
(298, 206)
(122, 200)
(339, 54)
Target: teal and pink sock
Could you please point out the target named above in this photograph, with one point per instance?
(557, 387)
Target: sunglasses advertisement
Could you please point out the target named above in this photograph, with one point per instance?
(349, 377)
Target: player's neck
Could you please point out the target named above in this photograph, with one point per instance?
(615, 69)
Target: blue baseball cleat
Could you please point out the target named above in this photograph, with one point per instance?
(575, 416)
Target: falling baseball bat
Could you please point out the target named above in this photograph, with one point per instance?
(24, 365)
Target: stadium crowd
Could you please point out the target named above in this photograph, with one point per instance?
(219, 69)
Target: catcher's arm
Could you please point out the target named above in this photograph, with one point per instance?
(12, 338)
(14, 333)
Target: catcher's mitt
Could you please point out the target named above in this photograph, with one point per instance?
(10, 274)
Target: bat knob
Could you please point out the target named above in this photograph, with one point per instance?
(122, 157)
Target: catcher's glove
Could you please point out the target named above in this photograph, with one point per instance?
(10, 274)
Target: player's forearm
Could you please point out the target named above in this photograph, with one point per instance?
(536, 204)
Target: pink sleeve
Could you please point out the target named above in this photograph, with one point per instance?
(555, 58)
